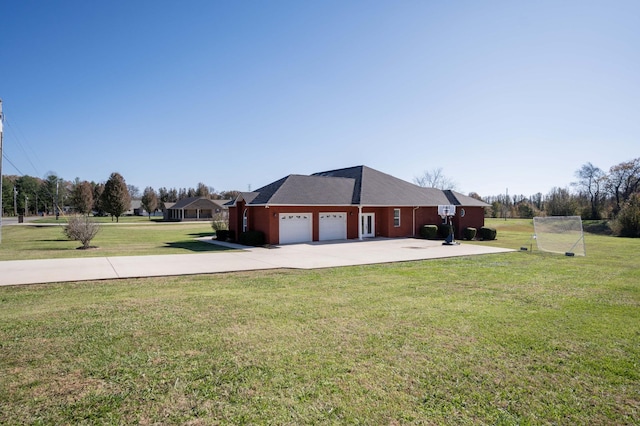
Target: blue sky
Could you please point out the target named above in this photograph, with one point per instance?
(499, 94)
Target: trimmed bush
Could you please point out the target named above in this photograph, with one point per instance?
(430, 232)
(252, 238)
(222, 235)
(444, 230)
(469, 233)
(488, 233)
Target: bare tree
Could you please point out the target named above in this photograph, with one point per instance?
(560, 202)
(229, 195)
(591, 184)
(475, 196)
(435, 178)
(81, 228)
(623, 180)
(149, 200)
(134, 192)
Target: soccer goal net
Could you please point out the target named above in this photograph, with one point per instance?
(560, 234)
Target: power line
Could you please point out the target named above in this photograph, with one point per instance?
(14, 131)
(14, 166)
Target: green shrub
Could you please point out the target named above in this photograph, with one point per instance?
(488, 233)
(252, 238)
(222, 234)
(469, 233)
(627, 223)
(430, 232)
(444, 230)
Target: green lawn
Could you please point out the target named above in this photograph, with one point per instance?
(131, 237)
(515, 338)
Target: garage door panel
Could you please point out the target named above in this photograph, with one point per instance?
(295, 228)
(333, 226)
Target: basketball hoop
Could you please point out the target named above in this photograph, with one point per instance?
(446, 210)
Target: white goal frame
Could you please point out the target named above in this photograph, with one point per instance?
(560, 234)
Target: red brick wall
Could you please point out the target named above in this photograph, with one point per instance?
(426, 216)
(473, 217)
(267, 219)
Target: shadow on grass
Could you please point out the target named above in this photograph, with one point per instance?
(47, 250)
(195, 246)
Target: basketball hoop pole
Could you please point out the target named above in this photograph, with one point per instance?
(446, 212)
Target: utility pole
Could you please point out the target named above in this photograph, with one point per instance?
(1, 210)
(506, 209)
(57, 200)
(15, 201)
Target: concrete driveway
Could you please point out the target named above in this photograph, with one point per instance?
(295, 256)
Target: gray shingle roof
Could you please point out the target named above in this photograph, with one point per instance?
(197, 202)
(463, 200)
(380, 189)
(359, 185)
(307, 190)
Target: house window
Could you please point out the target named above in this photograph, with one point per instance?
(396, 217)
(244, 221)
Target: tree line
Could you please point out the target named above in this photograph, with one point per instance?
(596, 194)
(27, 195)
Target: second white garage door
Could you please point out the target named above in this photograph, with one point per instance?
(333, 226)
(295, 228)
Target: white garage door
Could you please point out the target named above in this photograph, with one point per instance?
(295, 228)
(333, 226)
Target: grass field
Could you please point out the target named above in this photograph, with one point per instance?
(515, 338)
(135, 236)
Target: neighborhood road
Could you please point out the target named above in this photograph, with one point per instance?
(295, 256)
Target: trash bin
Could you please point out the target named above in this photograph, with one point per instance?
(20, 218)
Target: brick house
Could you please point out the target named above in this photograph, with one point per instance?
(352, 203)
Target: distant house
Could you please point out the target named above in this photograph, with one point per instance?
(195, 208)
(136, 209)
(352, 203)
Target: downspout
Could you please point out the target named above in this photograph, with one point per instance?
(360, 222)
(414, 221)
